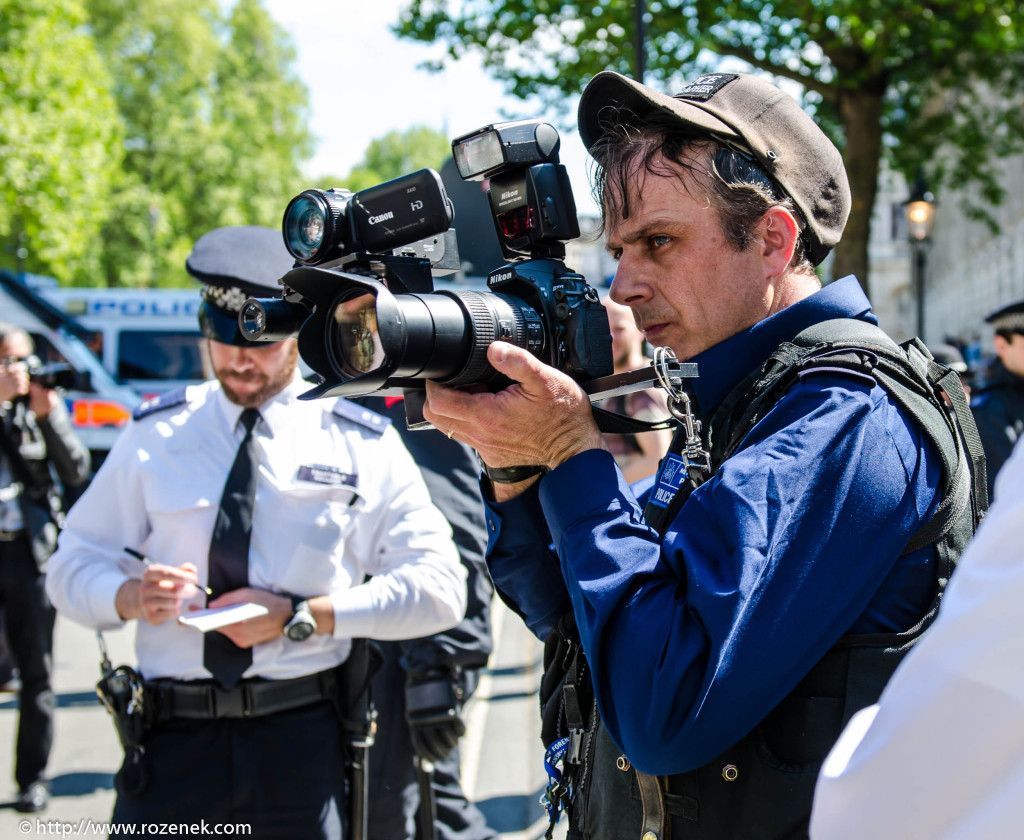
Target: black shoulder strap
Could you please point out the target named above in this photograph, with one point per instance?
(20, 469)
(908, 374)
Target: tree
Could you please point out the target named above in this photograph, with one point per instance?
(215, 127)
(935, 83)
(398, 153)
(261, 111)
(60, 136)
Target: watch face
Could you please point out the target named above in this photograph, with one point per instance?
(299, 629)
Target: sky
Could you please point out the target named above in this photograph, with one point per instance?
(364, 82)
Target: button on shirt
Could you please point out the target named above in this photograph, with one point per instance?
(795, 542)
(336, 501)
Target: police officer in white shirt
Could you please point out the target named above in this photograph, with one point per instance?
(318, 514)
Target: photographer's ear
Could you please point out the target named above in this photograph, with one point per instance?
(776, 238)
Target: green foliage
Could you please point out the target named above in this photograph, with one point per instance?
(60, 139)
(130, 129)
(216, 127)
(398, 153)
(936, 83)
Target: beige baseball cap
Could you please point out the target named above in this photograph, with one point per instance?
(760, 117)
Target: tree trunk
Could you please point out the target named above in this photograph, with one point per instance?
(861, 113)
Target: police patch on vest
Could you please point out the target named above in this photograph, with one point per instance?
(322, 474)
(670, 479)
(703, 88)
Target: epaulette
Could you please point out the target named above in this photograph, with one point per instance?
(363, 416)
(161, 402)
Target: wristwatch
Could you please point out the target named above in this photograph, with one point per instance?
(301, 625)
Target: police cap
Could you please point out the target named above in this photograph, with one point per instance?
(233, 264)
(1008, 318)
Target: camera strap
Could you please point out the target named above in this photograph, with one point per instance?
(665, 372)
(19, 468)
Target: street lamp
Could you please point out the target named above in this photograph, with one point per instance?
(639, 35)
(919, 210)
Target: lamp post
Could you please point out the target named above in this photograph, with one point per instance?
(639, 36)
(919, 211)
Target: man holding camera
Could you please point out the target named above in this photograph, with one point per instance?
(35, 435)
(736, 616)
(312, 511)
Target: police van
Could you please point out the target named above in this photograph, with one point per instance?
(147, 338)
(99, 405)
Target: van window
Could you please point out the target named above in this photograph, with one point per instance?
(45, 350)
(159, 354)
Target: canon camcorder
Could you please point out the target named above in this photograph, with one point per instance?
(361, 297)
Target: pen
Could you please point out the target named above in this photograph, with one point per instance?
(138, 555)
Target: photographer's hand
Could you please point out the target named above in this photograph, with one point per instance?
(41, 400)
(544, 417)
(13, 380)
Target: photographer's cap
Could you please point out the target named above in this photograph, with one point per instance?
(790, 146)
(1008, 318)
(234, 264)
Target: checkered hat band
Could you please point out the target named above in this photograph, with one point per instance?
(230, 298)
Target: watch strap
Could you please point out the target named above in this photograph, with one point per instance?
(511, 475)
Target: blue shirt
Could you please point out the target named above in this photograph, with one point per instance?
(794, 542)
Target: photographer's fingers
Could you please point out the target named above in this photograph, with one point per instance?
(41, 400)
(542, 418)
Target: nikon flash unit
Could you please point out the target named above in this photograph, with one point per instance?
(492, 149)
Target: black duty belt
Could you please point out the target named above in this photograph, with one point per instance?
(205, 700)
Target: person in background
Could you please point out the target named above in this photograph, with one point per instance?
(951, 357)
(998, 404)
(636, 454)
(313, 511)
(941, 755)
(424, 683)
(36, 443)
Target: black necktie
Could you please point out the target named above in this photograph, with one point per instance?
(229, 553)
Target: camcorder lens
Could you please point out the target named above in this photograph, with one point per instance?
(356, 336)
(304, 226)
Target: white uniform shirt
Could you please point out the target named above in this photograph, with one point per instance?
(941, 755)
(337, 500)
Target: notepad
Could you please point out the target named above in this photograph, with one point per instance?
(203, 620)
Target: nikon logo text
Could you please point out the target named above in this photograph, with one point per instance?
(500, 277)
(505, 196)
(383, 217)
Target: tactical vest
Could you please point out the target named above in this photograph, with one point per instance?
(761, 788)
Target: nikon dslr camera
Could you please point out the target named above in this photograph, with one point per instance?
(361, 296)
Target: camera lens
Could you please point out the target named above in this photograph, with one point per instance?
(441, 336)
(312, 224)
(356, 336)
(304, 225)
(252, 320)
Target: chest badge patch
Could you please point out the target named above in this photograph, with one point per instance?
(323, 474)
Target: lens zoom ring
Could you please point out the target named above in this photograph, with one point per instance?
(482, 317)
